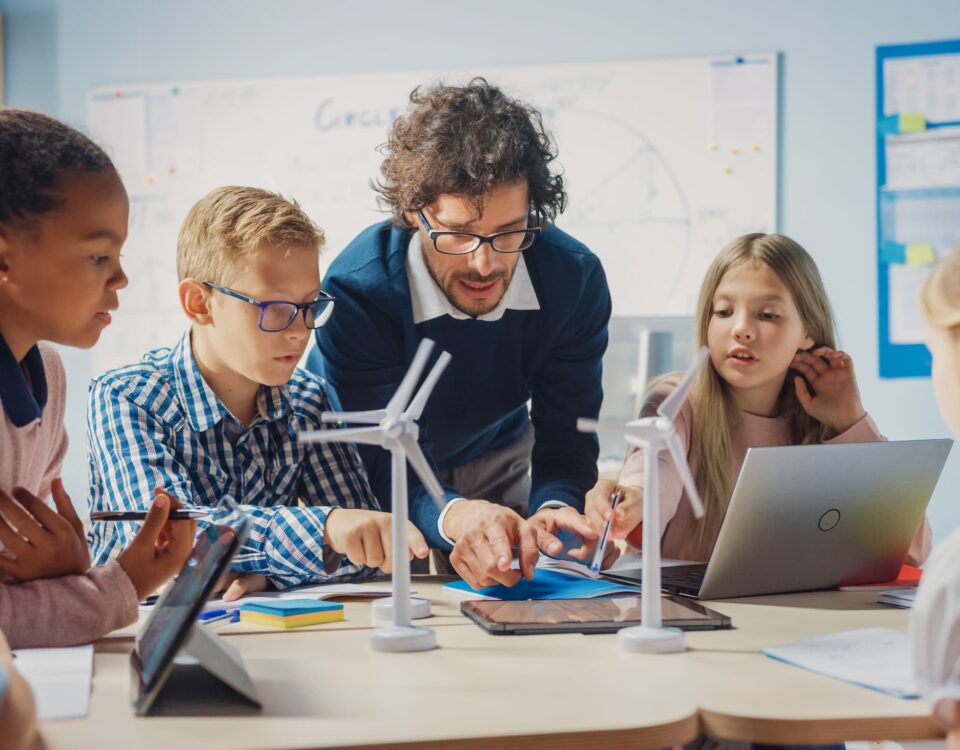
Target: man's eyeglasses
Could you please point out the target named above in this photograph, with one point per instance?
(278, 315)
(464, 243)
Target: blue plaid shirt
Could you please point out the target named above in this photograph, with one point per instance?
(158, 424)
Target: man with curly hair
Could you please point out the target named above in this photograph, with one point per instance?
(472, 260)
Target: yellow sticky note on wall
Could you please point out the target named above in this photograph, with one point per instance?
(921, 255)
(912, 122)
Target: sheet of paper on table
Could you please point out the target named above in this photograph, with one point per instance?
(60, 679)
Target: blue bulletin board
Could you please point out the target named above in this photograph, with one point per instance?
(918, 189)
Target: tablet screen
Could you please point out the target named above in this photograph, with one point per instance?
(175, 612)
(586, 615)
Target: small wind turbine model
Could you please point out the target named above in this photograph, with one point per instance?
(653, 435)
(395, 429)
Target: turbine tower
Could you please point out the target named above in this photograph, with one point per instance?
(395, 429)
(653, 435)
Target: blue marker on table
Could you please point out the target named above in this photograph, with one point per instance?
(602, 544)
(213, 616)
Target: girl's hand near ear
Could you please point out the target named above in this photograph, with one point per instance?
(835, 401)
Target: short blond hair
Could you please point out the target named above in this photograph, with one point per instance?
(940, 298)
(231, 223)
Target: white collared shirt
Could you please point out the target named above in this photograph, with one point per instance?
(429, 301)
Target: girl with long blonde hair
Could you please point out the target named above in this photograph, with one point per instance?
(775, 377)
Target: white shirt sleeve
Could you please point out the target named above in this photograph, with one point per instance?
(935, 625)
(443, 514)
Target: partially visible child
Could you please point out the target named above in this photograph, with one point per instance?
(935, 620)
(220, 412)
(774, 378)
(63, 219)
(18, 719)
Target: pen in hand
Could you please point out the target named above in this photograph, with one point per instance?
(602, 543)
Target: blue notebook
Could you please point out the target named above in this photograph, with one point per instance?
(287, 607)
(546, 584)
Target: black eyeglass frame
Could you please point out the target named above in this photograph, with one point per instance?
(323, 299)
(481, 239)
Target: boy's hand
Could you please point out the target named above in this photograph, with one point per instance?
(160, 548)
(45, 544)
(239, 585)
(364, 537)
(836, 404)
(627, 515)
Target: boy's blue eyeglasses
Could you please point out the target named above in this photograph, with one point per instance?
(278, 315)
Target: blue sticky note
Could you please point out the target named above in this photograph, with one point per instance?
(288, 607)
(891, 252)
(889, 125)
(549, 584)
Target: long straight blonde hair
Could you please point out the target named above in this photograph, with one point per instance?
(714, 413)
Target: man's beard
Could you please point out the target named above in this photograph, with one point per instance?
(472, 276)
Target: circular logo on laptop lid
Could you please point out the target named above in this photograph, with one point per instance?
(829, 519)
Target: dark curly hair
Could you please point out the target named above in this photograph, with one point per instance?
(35, 151)
(467, 140)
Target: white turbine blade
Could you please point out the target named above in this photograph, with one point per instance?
(375, 416)
(421, 466)
(680, 460)
(587, 425)
(368, 435)
(405, 389)
(637, 433)
(605, 425)
(420, 400)
(641, 435)
(671, 404)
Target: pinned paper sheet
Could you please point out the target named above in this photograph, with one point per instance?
(741, 115)
(923, 84)
(907, 325)
(921, 160)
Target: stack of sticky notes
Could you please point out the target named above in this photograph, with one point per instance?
(291, 613)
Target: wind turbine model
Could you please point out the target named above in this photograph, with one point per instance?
(395, 429)
(655, 434)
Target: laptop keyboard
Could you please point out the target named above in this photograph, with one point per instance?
(685, 582)
(682, 579)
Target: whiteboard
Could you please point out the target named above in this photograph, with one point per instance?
(665, 161)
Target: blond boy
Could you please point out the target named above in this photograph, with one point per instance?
(219, 413)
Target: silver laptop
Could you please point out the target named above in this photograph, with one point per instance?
(807, 517)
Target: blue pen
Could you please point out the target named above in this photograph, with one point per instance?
(213, 615)
(602, 544)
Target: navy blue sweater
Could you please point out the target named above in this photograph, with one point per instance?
(549, 357)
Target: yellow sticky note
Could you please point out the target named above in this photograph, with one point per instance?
(921, 255)
(912, 122)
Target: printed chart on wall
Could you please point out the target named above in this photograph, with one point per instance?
(918, 189)
(664, 160)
